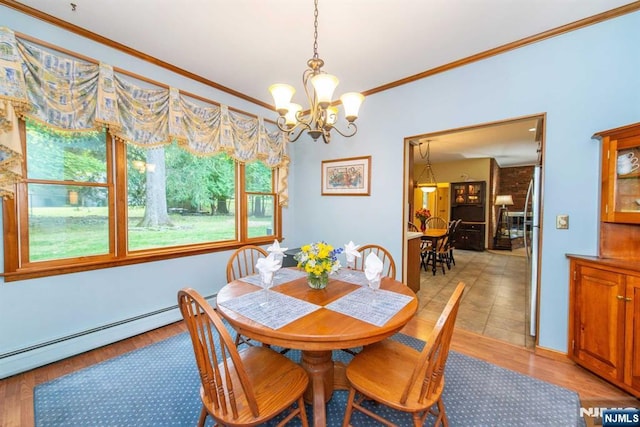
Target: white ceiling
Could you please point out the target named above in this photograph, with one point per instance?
(246, 45)
(511, 143)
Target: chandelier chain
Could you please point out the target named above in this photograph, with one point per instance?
(315, 30)
(431, 179)
(426, 155)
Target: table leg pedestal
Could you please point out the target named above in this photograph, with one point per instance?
(340, 381)
(319, 366)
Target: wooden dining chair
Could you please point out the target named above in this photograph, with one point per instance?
(238, 388)
(439, 256)
(389, 265)
(426, 247)
(242, 263)
(412, 227)
(400, 377)
(436, 222)
(453, 237)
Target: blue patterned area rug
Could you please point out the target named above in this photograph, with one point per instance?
(158, 386)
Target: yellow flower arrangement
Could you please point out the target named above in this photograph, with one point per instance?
(318, 260)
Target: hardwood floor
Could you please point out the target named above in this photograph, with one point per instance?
(16, 392)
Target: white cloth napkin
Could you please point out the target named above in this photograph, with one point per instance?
(267, 267)
(351, 251)
(372, 267)
(276, 249)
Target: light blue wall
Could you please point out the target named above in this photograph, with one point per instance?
(586, 81)
(37, 311)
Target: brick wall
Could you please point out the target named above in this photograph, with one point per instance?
(515, 181)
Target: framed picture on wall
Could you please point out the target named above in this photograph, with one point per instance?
(346, 177)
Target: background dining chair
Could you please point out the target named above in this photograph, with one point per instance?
(436, 222)
(389, 265)
(248, 387)
(453, 237)
(439, 256)
(242, 263)
(412, 227)
(400, 377)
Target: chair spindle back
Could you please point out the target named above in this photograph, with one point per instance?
(242, 262)
(436, 222)
(389, 265)
(429, 372)
(224, 380)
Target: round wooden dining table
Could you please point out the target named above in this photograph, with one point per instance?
(319, 333)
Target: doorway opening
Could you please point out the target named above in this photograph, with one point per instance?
(499, 158)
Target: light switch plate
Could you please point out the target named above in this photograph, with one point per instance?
(562, 222)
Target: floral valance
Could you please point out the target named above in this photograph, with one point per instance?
(71, 94)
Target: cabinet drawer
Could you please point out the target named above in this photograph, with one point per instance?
(471, 226)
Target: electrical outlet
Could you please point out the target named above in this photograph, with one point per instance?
(562, 222)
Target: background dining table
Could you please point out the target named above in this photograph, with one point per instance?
(319, 329)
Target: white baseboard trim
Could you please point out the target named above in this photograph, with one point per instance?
(80, 343)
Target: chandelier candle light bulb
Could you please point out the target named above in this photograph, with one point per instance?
(292, 114)
(351, 102)
(324, 85)
(332, 116)
(282, 94)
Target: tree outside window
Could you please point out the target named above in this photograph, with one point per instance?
(176, 202)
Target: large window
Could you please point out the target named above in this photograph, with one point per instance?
(261, 200)
(176, 198)
(91, 201)
(66, 195)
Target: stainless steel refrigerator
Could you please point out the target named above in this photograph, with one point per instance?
(531, 241)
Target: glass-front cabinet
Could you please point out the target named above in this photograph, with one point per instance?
(620, 201)
(467, 193)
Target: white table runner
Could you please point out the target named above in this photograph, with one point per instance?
(355, 277)
(375, 307)
(271, 309)
(281, 276)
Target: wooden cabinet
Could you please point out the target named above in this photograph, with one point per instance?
(467, 193)
(468, 204)
(604, 324)
(632, 334)
(604, 291)
(470, 236)
(620, 201)
(413, 263)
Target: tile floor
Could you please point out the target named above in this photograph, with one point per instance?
(496, 298)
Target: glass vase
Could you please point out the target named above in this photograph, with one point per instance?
(318, 281)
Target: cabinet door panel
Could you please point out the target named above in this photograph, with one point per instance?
(620, 176)
(632, 332)
(599, 323)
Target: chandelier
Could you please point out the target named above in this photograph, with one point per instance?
(431, 184)
(322, 116)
